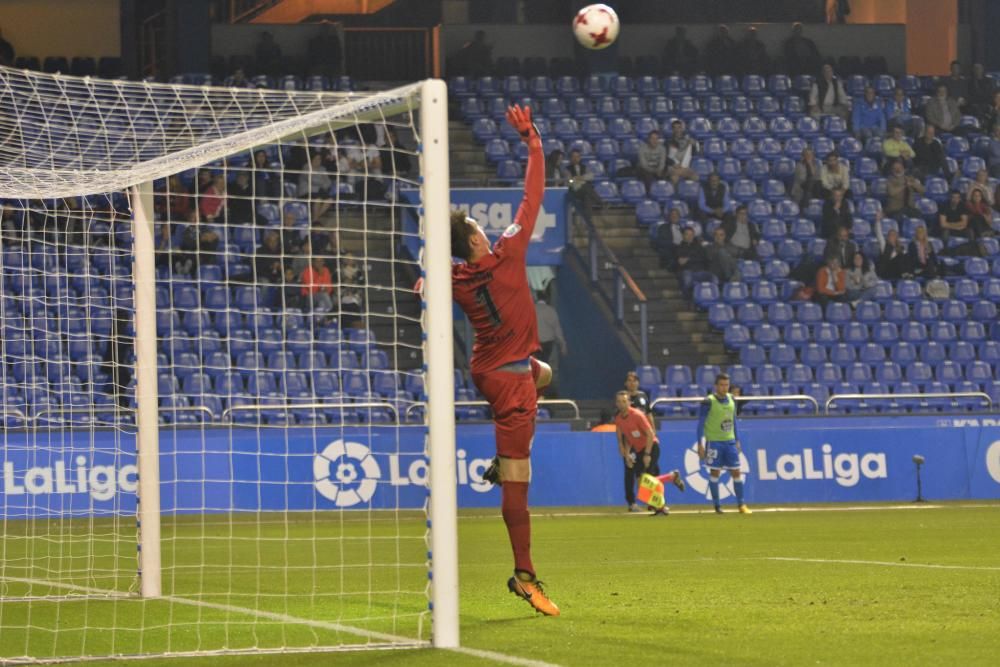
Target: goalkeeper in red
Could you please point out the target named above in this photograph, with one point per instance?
(491, 286)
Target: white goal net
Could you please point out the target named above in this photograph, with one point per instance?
(215, 414)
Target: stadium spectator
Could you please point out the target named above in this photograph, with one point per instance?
(860, 280)
(841, 247)
(801, 54)
(721, 53)
(835, 174)
(836, 214)
(929, 158)
(680, 55)
(652, 162)
(351, 278)
(713, 199)
(324, 52)
(721, 261)
(827, 96)
(901, 191)
(993, 158)
(942, 110)
(954, 219)
(268, 54)
(550, 337)
(581, 184)
(637, 398)
(637, 445)
(690, 253)
(751, 54)
(892, 263)
(475, 58)
(898, 110)
(180, 201)
(290, 234)
(317, 286)
(558, 175)
(923, 262)
(896, 148)
(981, 89)
(668, 237)
(266, 183)
(991, 116)
(212, 199)
(718, 441)
(395, 157)
(268, 264)
(956, 84)
(982, 183)
(868, 116)
(238, 79)
(239, 200)
(806, 182)
(741, 234)
(680, 150)
(6, 52)
(199, 246)
(980, 213)
(831, 283)
(315, 184)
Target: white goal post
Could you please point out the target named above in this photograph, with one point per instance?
(152, 370)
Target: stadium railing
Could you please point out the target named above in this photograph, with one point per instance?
(917, 395)
(798, 398)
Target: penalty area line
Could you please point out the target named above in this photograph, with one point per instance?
(396, 641)
(881, 563)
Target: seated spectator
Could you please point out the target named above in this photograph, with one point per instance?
(836, 214)
(741, 234)
(721, 53)
(982, 183)
(923, 262)
(892, 263)
(268, 264)
(860, 279)
(315, 184)
(801, 54)
(395, 156)
(942, 111)
(721, 261)
(806, 183)
(991, 116)
(928, 155)
(558, 174)
(680, 150)
(980, 213)
(956, 84)
(713, 199)
(212, 199)
(668, 237)
(581, 184)
(898, 110)
(180, 201)
(954, 219)
(993, 159)
(901, 192)
(981, 89)
(827, 96)
(841, 247)
(317, 286)
(351, 277)
(239, 201)
(680, 55)
(751, 54)
(896, 148)
(290, 235)
(266, 183)
(652, 162)
(868, 116)
(835, 174)
(200, 245)
(690, 253)
(831, 283)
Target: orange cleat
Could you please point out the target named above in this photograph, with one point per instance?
(533, 593)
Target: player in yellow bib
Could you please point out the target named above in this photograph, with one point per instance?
(718, 441)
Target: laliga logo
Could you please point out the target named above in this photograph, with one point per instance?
(346, 473)
(697, 478)
(993, 461)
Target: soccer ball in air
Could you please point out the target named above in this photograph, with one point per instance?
(596, 27)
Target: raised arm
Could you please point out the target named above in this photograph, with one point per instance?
(519, 235)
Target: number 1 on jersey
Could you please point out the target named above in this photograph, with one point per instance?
(484, 298)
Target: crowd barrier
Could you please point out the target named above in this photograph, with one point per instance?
(79, 473)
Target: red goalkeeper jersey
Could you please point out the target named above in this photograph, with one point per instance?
(494, 292)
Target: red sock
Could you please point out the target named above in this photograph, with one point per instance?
(515, 514)
(669, 477)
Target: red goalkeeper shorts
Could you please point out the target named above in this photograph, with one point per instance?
(512, 396)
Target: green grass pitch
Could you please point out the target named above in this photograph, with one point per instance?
(837, 586)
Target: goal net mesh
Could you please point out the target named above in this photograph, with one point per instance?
(289, 368)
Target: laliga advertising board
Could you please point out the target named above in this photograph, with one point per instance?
(76, 473)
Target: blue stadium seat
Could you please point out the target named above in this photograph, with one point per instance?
(843, 354)
(885, 333)
(736, 336)
(827, 334)
(649, 377)
(973, 332)
(782, 355)
(705, 293)
(750, 314)
(752, 355)
(829, 373)
(719, 315)
(872, 353)
(735, 293)
(766, 335)
(677, 375)
(740, 375)
(813, 355)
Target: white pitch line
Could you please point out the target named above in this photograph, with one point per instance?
(408, 642)
(885, 563)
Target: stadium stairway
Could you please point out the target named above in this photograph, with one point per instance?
(677, 333)
(467, 162)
